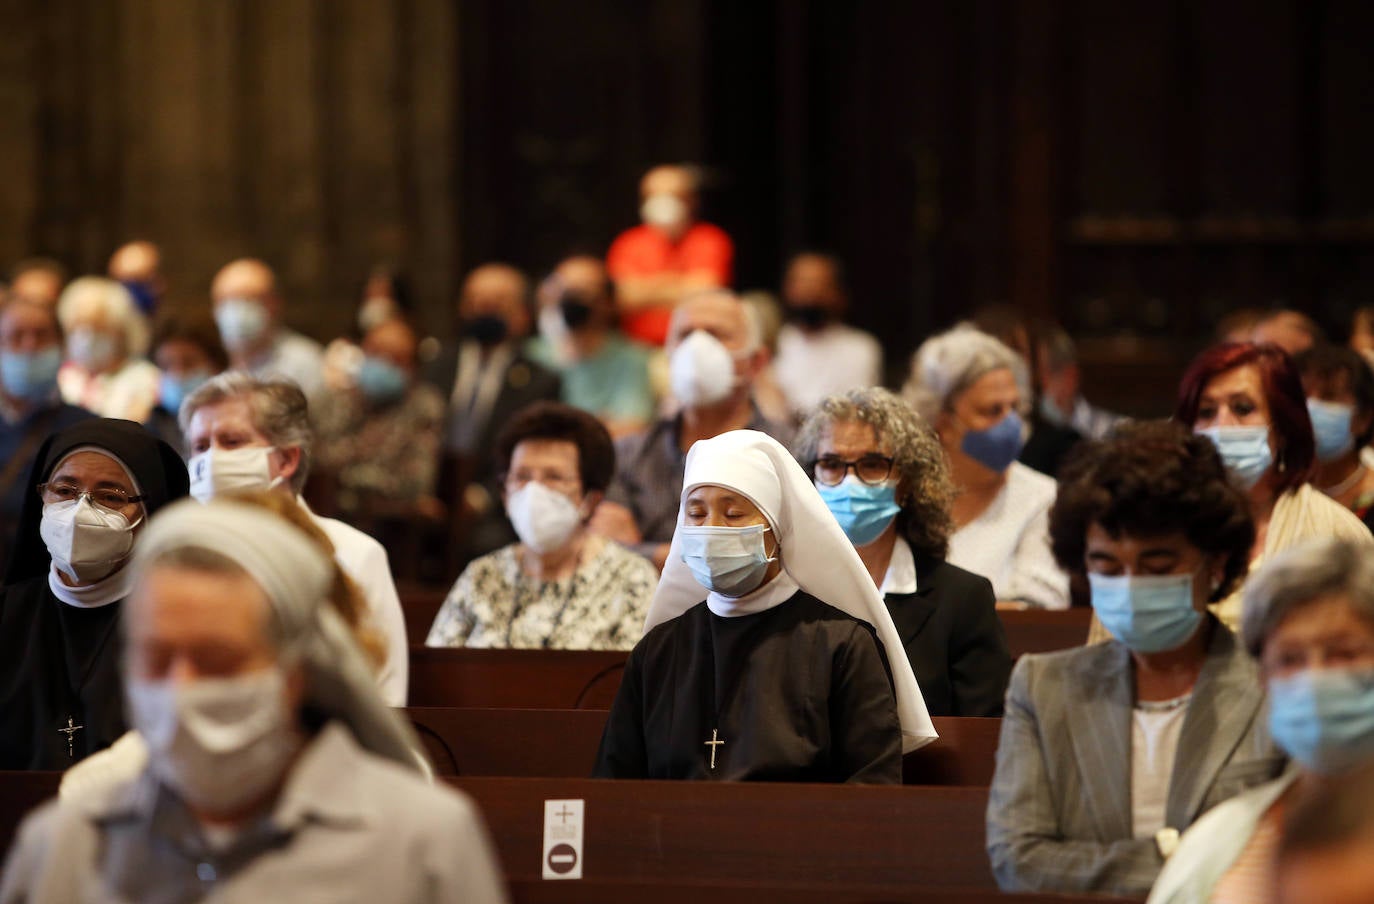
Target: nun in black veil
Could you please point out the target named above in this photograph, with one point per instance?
(95, 485)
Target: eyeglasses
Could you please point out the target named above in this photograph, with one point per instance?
(111, 498)
(872, 469)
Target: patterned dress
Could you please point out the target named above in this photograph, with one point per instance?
(601, 606)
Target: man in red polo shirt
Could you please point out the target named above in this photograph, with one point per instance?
(669, 256)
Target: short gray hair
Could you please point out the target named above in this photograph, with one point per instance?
(917, 459)
(946, 365)
(280, 411)
(115, 302)
(1299, 577)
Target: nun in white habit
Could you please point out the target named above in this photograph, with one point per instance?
(790, 668)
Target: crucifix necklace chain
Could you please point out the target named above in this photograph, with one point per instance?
(71, 728)
(721, 691)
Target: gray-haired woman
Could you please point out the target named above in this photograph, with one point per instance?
(1308, 618)
(882, 473)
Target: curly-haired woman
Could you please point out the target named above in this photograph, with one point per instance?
(882, 473)
(1109, 751)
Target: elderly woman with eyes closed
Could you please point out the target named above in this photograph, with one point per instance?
(968, 386)
(1309, 621)
(883, 476)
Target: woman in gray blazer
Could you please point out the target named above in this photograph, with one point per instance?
(1109, 751)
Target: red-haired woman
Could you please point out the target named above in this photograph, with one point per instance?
(1250, 401)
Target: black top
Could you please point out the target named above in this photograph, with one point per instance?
(805, 695)
(954, 639)
(56, 662)
(1048, 446)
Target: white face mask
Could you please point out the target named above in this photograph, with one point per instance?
(555, 331)
(217, 471)
(86, 542)
(90, 349)
(375, 311)
(701, 370)
(220, 743)
(544, 519)
(241, 321)
(664, 211)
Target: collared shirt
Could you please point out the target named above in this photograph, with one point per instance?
(649, 468)
(475, 388)
(900, 578)
(347, 826)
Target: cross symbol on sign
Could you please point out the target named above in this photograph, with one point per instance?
(564, 814)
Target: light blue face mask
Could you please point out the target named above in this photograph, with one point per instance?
(864, 511)
(241, 321)
(381, 381)
(1052, 413)
(31, 376)
(1244, 450)
(1148, 613)
(173, 390)
(996, 447)
(1331, 428)
(1324, 718)
(730, 561)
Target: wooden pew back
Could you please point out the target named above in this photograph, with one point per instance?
(526, 679)
(541, 743)
(819, 835)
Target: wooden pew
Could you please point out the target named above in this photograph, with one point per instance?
(812, 835)
(611, 891)
(541, 743)
(526, 679)
(419, 605)
(1043, 630)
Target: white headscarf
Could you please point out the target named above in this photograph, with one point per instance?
(295, 576)
(814, 550)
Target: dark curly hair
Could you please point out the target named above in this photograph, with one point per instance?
(556, 421)
(1147, 479)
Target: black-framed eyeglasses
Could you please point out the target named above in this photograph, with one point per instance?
(871, 469)
(112, 498)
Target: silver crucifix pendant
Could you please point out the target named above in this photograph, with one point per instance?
(71, 729)
(713, 744)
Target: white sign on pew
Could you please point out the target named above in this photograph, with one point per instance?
(563, 839)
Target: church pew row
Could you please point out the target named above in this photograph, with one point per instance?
(610, 891)
(1029, 631)
(589, 679)
(517, 743)
(856, 844)
(816, 835)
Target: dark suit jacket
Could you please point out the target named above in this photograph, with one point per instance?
(525, 382)
(954, 639)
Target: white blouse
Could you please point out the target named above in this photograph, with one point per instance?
(1009, 542)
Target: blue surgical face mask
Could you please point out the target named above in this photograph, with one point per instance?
(730, 561)
(1244, 450)
(864, 511)
(1331, 428)
(30, 376)
(1324, 718)
(381, 381)
(1148, 613)
(173, 390)
(996, 447)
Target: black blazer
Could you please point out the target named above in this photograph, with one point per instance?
(954, 639)
(526, 382)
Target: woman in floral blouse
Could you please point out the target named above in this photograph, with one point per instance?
(560, 587)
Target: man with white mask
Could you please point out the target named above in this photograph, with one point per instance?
(559, 587)
(715, 353)
(248, 312)
(250, 433)
(671, 255)
(274, 771)
(92, 489)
